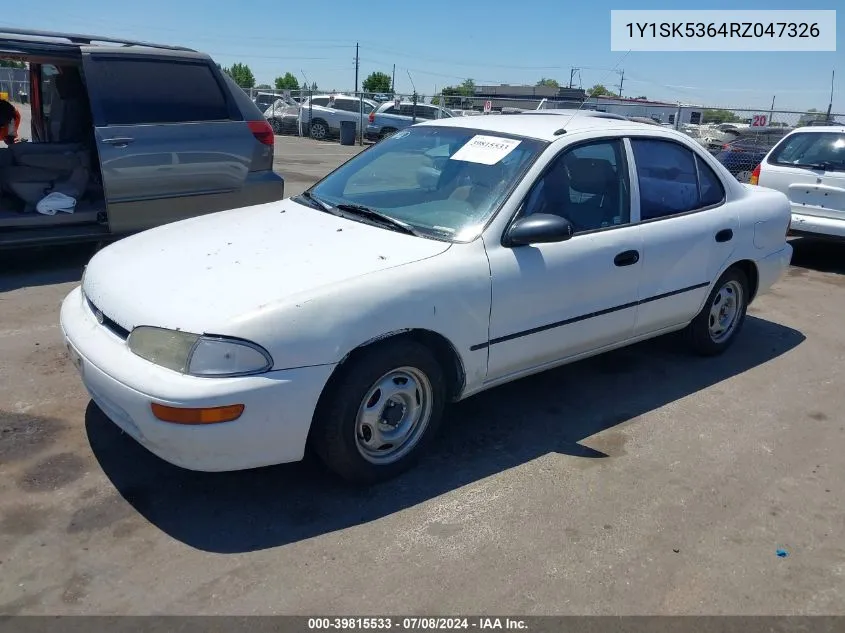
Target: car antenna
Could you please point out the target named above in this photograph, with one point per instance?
(590, 96)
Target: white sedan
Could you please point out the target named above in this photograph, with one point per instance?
(455, 256)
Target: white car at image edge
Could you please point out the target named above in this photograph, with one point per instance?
(453, 257)
(808, 166)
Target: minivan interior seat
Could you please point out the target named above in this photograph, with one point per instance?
(64, 166)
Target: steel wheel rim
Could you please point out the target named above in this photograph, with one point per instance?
(318, 130)
(393, 415)
(744, 176)
(725, 311)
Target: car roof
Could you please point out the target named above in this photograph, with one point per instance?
(57, 39)
(547, 127)
(820, 128)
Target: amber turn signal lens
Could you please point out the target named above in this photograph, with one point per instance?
(209, 415)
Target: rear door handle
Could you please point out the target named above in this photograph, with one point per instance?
(725, 235)
(119, 141)
(626, 258)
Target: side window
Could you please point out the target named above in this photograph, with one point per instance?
(711, 191)
(390, 110)
(320, 101)
(588, 185)
(669, 179)
(137, 91)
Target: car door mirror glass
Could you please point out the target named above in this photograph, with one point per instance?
(540, 228)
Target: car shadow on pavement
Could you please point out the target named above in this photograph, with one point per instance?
(826, 256)
(25, 268)
(491, 432)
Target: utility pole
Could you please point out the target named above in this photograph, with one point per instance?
(772, 111)
(356, 67)
(621, 79)
(830, 104)
(393, 81)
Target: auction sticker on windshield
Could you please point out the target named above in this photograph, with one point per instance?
(487, 150)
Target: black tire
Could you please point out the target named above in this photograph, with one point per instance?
(316, 124)
(334, 432)
(699, 334)
(387, 132)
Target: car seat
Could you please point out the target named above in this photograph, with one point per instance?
(597, 179)
(64, 166)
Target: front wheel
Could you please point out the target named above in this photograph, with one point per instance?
(377, 417)
(720, 320)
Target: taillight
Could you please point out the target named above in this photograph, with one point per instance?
(755, 176)
(372, 117)
(263, 131)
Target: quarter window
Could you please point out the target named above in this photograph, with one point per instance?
(672, 179)
(587, 185)
(138, 91)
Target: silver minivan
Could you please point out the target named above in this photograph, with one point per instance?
(134, 134)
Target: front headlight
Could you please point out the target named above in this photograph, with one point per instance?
(196, 355)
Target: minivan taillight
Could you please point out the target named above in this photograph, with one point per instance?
(372, 116)
(263, 132)
(755, 176)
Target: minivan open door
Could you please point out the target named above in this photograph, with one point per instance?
(171, 140)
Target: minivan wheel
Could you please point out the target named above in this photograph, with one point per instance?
(319, 130)
(380, 413)
(720, 320)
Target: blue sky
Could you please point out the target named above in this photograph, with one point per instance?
(442, 42)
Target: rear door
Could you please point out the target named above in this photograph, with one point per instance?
(171, 140)
(809, 167)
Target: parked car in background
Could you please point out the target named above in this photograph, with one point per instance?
(283, 115)
(742, 155)
(264, 100)
(456, 256)
(136, 134)
(321, 115)
(388, 118)
(808, 166)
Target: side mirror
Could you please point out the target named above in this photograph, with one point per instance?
(540, 228)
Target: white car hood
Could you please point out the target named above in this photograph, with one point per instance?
(204, 274)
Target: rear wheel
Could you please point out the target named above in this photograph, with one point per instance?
(381, 412)
(388, 131)
(720, 320)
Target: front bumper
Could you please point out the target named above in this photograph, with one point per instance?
(813, 225)
(273, 428)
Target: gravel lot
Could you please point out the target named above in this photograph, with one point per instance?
(643, 481)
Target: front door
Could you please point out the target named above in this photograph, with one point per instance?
(168, 135)
(559, 300)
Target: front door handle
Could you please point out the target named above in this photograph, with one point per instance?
(626, 258)
(119, 141)
(725, 235)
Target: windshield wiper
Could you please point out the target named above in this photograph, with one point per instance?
(827, 165)
(378, 216)
(315, 202)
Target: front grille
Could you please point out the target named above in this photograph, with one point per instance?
(108, 323)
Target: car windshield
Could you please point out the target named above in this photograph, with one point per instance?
(444, 182)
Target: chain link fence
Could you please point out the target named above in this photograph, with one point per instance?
(739, 137)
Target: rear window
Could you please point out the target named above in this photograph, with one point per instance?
(136, 91)
(811, 149)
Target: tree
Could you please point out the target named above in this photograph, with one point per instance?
(551, 83)
(264, 87)
(242, 74)
(287, 82)
(600, 91)
(641, 98)
(8, 63)
(720, 116)
(377, 82)
(453, 95)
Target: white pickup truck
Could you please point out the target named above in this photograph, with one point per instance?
(321, 115)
